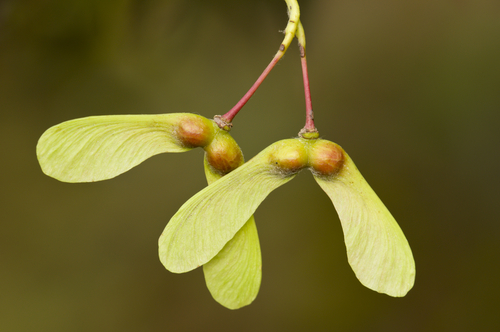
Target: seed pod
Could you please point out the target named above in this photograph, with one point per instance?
(195, 131)
(326, 158)
(288, 156)
(223, 155)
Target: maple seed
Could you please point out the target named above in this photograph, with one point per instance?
(223, 154)
(195, 132)
(289, 156)
(326, 158)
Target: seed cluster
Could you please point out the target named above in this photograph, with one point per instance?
(323, 157)
(221, 151)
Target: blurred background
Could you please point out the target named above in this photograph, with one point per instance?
(410, 89)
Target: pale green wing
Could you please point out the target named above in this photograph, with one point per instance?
(102, 147)
(377, 249)
(233, 276)
(207, 221)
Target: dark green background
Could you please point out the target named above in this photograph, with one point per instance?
(410, 89)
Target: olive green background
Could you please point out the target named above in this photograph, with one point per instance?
(410, 89)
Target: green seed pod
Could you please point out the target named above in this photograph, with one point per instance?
(288, 156)
(325, 158)
(223, 155)
(195, 131)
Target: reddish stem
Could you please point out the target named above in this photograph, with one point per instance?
(307, 91)
(309, 127)
(233, 111)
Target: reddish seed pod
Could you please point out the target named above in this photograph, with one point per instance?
(289, 156)
(326, 158)
(223, 154)
(195, 131)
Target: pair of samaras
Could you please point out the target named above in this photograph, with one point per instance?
(377, 249)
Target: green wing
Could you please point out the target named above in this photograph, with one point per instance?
(102, 147)
(207, 221)
(377, 249)
(233, 276)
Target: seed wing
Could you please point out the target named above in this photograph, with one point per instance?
(102, 147)
(377, 249)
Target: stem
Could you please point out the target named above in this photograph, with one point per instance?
(224, 121)
(229, 116)
(307, 91)
(309, 130)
